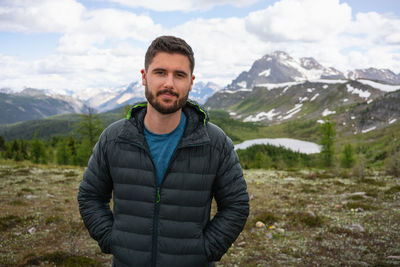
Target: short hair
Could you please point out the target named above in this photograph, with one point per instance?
(169, 44)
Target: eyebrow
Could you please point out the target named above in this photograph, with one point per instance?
(178, 71)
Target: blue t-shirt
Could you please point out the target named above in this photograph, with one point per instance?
(162, 147)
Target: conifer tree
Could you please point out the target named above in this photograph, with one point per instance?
(63, 153)
(38, 151)
(347, 156)
(2, 144)
(90, 127)
(328, 134)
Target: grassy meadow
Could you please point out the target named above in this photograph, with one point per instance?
(302, 218)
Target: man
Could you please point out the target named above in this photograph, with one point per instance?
(163, 165)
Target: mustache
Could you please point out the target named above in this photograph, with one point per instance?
(169, 91)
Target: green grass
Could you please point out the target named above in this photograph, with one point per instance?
(309, 220)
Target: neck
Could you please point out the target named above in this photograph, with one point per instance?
(159, 123)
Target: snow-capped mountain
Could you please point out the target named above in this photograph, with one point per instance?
(33, 103)
(120, 96)
(201, 91)
(384, 75)
(279, 67)
(107, 99)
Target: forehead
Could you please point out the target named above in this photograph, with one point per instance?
(170, 61)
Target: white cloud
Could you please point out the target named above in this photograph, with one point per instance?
(223, 48)
(40, 15)
(178, 5)
(377, 28)
(299, 20)
(106, 47)
(96, 28)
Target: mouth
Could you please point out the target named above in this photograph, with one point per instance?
(167, 93)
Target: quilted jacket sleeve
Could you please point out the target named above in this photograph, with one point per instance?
(94, 197)
(233, 204)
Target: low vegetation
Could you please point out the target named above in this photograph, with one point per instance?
(306, 217)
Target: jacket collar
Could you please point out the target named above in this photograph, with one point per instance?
(195, 132)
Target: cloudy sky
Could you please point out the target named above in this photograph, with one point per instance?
(81, 44)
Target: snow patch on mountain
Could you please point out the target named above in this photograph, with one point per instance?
(361, 93)
(292, 144)
(265, 73)
(369, 129)
(314, 97)
(380, 86)
(261, 116)
(327, 112)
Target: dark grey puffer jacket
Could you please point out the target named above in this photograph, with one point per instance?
(169, 225)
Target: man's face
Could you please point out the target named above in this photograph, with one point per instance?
(168, 81)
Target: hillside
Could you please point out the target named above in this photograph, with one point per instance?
(31, 104)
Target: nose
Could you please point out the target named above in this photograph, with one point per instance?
(169, 81)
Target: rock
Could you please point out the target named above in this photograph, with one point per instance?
(311, 214)
(360, 210)
(32, 230)
(280, 230)
(356, 227)
(252, 197)
(347, 195)
(268, 235)
(260, 224)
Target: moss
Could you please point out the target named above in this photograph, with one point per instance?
(9, 221)
(18, 202)
(372, 182)
(60, 258)
(304, 219)
(393, 190)
(27, 190)
(357, 197)
(52, 219)
(266, 217)
(70, 174)
(358, 204)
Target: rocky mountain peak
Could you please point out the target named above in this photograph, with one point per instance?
(310, 63)
(385, 75)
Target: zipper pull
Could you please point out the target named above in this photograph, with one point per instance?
(158, 195)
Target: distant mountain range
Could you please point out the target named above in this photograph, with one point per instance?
(279, 88)
(30, 104)
(277, 70)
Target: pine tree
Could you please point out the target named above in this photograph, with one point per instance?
(38, 151)
(2, 144)
(328, 134)
(63, 153)
(90, 127)
(347, 156)
(83, 153)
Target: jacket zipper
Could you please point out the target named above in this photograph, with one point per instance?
(158, 197)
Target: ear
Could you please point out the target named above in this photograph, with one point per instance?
(191, 82)
(143, 72)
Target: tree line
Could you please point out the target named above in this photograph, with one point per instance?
(73, 150)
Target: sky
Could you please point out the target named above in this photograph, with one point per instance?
(77, 45)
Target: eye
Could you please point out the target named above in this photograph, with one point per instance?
(180, 75)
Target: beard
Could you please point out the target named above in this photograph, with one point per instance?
(168, 108)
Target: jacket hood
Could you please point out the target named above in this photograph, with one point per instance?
(195, 131)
